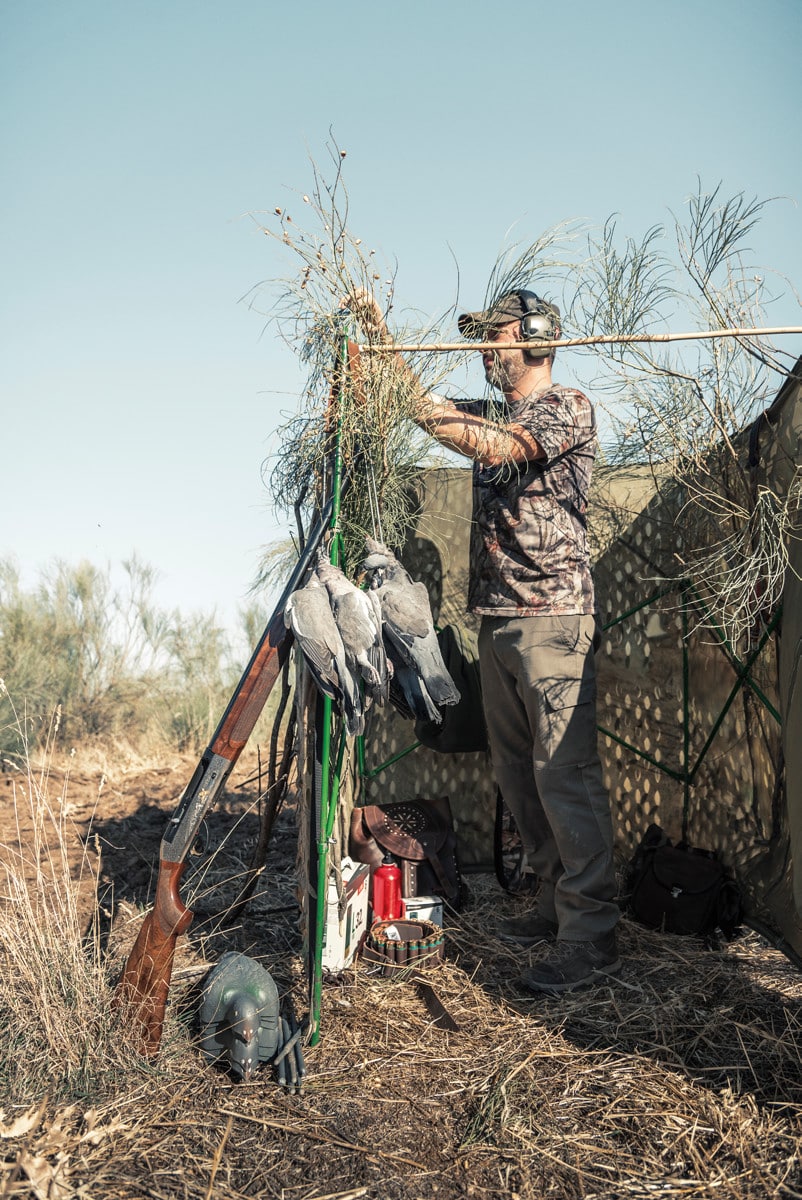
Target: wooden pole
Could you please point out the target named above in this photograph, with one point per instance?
(564, 344)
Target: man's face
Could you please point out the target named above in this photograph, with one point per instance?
(504, 369)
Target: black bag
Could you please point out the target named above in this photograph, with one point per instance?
(680, 889)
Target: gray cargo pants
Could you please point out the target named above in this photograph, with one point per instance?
(539, 696)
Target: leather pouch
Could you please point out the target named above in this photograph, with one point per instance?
(419, 835)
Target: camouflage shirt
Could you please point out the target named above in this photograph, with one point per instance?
(529, 552)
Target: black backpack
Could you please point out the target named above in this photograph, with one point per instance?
(681, 889)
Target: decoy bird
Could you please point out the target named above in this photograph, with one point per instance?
(239, 1015)
(410, 637)
(308, 615)
(357, 615)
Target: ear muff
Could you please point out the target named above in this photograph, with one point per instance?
(539, 326)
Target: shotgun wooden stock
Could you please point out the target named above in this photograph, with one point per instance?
(145, 983)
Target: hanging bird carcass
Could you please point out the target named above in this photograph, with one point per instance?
(409, 634)
(309, 617)
(357, 615)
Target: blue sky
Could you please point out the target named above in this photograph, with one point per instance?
(140, 394)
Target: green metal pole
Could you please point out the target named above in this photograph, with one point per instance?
(387, 763)
(733, 658)
(328, 794)
(742, 679)
(360, 756)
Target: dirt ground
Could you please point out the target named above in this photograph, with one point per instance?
(680, 1078)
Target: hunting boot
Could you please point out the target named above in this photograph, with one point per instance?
(574, 965)
(527, 929)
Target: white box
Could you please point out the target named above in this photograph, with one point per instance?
(424, 908)
(343, 936)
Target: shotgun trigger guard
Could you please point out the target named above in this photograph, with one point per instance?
(201, 842)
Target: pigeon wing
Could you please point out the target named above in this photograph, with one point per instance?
(434, 672)
(408, 692)
(406, 608)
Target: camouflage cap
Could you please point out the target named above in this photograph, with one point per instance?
(509, 307)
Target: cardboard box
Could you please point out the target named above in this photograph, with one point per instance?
(345, 928)
(424, 908)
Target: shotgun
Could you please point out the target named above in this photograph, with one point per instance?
(145, 982)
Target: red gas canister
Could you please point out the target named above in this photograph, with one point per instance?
(387, 892)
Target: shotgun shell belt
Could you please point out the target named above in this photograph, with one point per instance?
(398, 944)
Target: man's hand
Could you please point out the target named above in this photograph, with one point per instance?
(366, 308)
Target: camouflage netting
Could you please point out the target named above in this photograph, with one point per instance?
(437, 552)
(688, 724)
(780, 462)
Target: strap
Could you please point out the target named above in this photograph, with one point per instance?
(448, 886)
(753, 461)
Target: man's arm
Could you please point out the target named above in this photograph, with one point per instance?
(487, 442)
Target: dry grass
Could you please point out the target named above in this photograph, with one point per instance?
(679, 1078)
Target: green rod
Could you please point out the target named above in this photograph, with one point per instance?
(714, 625)
(388, 762)
(641, 754)
(730, 654)
(322, 876)
(327, 802)
(742, 679)
(330, 793)
(664, 591)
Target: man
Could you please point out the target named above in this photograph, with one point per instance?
(530, 582)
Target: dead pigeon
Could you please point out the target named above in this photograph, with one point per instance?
(309, 616)
(409, 694)
(410, 637)
(239, 1015)
(358, 617)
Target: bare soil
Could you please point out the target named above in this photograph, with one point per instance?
(679, 1078)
